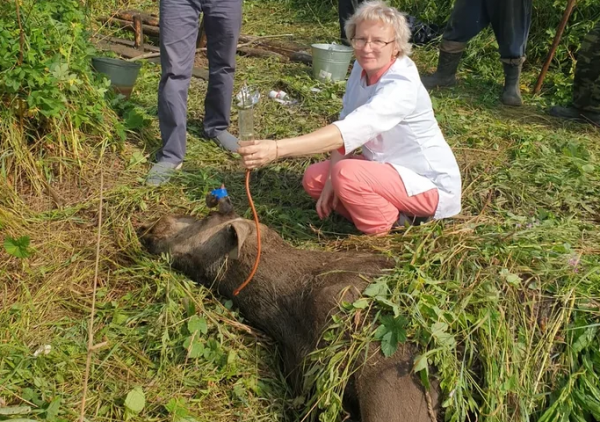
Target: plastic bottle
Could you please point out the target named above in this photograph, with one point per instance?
(278, 95)
(247, 98)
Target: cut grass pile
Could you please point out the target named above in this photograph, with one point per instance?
(504, 299)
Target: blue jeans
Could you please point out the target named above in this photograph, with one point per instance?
(510, 20)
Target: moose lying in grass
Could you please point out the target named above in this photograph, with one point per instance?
(291, 298)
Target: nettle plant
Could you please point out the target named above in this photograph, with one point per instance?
(52, 101)
(51, 74)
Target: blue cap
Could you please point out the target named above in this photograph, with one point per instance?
(219, 193)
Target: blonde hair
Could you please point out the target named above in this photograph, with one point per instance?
(380, 11)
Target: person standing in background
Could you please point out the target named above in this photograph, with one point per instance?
(586, 84)
(179, 27)
(510, 20)
(346, 9)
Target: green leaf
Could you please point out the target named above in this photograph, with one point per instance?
(197, 323)
(439, 331)
(53, 409)
(376, 289)
(189, 306)
(391, 332)
(421, 363)
(587, 168)
(136, 158)
(194, 347)
(135, 401)
(361, 303)
(177, 407)
(396, 324)
(380, 332)
(134, 120)
(388, 303)
(15, 410)
(17, 247)
(389, 344)
(584, 340)
(510, 278)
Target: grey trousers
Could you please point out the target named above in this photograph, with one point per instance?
(179, 24)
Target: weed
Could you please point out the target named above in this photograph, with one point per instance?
(502, 300)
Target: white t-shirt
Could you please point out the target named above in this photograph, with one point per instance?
(394, 123)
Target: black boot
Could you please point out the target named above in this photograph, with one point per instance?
(512, 93)
(445, 75)
(573, 113)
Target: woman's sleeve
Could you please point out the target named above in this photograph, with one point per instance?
(394, 99)
(354, 73)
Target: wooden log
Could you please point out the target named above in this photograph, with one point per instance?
(280, 49)
(281, 46)
(139, 32)
(301, 57)
(147, 18)
(150, 30)
(259, 52)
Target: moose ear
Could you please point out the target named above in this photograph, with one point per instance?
(225, 206)
(242, 229)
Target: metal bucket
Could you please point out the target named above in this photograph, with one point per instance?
(122, 74)
(330, 61)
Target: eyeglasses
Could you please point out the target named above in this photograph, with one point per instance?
(375, 44)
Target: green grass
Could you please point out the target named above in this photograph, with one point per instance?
(512, 283)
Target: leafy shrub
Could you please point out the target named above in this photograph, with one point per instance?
(52, 102)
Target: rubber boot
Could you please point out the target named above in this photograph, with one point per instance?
(445, 75)
(573, 113)
(511, 95)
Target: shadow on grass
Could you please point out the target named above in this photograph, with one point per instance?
(484, 94)
(278, 196)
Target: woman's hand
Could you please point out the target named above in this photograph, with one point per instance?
(327, 201)
(257, 153)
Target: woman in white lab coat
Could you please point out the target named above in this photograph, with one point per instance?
(406, 171)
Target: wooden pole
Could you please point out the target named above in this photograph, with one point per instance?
(557, 37)
(139, 32)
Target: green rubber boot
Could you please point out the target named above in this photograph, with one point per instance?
(511, 95)
(445, 75)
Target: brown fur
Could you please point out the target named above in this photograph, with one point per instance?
(292, 297)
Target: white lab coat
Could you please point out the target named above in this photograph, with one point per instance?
(394, 123)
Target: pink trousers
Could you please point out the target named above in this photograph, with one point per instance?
(370, 194)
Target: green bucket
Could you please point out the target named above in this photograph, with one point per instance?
(330, 61)
(122, 74)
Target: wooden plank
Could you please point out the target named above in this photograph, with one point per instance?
(199, 72)
(129, 43)
(121, 50)
(130, 52)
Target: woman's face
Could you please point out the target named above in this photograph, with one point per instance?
(374, 45)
